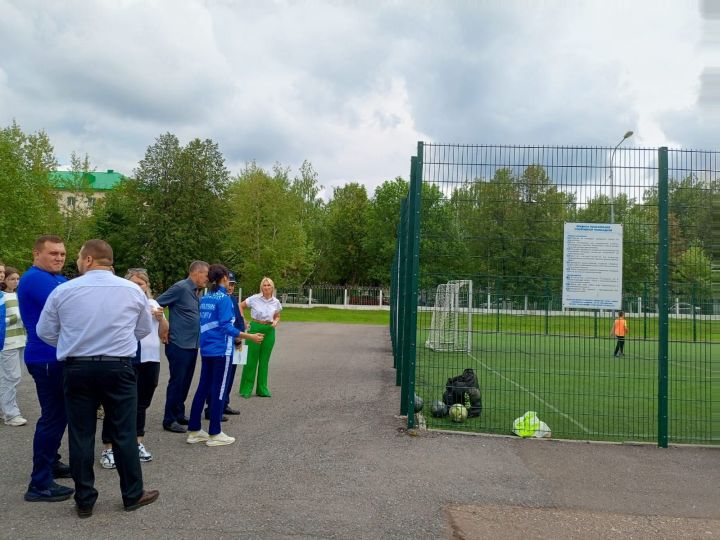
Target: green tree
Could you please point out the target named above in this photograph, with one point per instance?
(345, 259)
(442, 251)
(489, 217)
(640, 250)
(543, 211)
(692, 275)
(117, 219)
(29, 203)
(306, 189)
(383, 216)
(691, 204)
(264, 234)
(184, 210)
(77, 222)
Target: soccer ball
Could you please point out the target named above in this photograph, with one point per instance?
(438, 409)
(418, 403)
(458, 413)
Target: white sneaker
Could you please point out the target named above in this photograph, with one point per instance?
(143, 453)
(220, 440)
(17, 421)
(197, 436)
(107, 459)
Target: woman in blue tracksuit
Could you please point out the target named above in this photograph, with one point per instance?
(218, 338)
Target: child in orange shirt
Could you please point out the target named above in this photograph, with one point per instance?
(620, 330)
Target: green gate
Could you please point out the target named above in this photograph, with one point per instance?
(478, 278)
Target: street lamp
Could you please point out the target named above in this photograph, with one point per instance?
(612, 187)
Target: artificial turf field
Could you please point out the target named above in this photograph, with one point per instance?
(571, 379)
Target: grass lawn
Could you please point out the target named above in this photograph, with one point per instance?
(575, 384)
(343, 316)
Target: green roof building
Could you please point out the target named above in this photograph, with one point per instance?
(80, 192)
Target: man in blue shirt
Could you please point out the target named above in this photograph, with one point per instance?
(35, 286)
(183, 299)
(96, 322)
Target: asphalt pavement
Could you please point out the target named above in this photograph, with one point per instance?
(327, 457)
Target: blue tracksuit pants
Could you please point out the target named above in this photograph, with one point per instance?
(214, 378)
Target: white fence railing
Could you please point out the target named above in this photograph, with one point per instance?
(334, 296)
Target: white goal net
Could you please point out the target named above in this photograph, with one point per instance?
(451, 325)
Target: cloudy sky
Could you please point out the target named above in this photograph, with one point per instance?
(352, 86)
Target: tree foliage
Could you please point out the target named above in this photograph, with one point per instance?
(344, 239)
(184, 209)
(77, 220)
(29, 206)
(264, 234)
(383, 215)
(692, 275)
(505, 231)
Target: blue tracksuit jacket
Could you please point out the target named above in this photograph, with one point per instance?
(217, 318)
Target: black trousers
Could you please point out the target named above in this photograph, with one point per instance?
(182, 368)
(620, 347)
(148, 375)
(112, 384)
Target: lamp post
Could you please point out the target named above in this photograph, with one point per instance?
(627, 135)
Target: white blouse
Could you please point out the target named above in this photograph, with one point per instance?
(263, 309)
(150, 344)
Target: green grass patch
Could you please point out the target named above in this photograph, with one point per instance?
(571, 379)
(330, 315)
(682, 328)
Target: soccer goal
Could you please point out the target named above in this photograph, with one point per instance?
(451, 325)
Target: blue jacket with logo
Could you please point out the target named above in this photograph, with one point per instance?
(217, 328)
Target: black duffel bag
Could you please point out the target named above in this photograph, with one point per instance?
(464, 389)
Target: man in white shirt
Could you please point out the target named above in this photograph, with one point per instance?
(95, 321)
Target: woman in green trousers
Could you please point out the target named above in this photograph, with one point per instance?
(265, 316)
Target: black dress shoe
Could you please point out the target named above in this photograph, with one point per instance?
(147, 497)
(174, 427)
(230, 410)
(60, 470)
(183, 420)
(84, 511)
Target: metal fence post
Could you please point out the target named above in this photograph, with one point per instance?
(413, 269)
(645, 303)
(402, 298)
(663, 286)
(409, 329)
(693, 299)
(595, 322)
(547, 307)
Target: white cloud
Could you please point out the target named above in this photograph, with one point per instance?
(349, 86)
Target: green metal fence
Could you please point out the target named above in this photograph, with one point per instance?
(478, 277)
